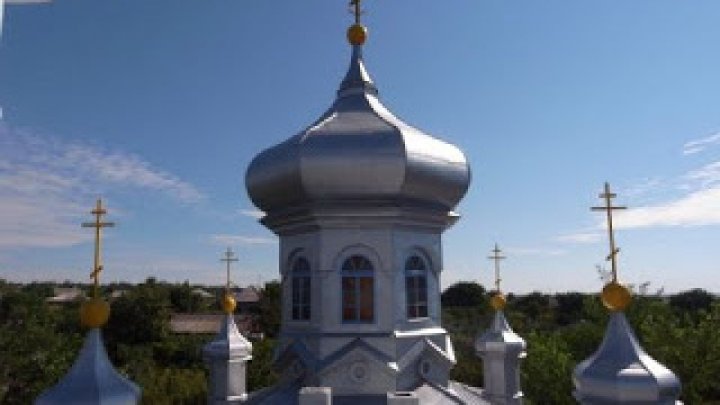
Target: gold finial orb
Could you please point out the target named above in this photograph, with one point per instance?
(228, 304)
(498, 301)
(94, 313)
(615, 296)
(357, 34)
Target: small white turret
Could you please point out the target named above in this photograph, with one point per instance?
(227, 355)
(227, 358)
(501, 350)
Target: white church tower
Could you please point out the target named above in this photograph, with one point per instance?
(360, 200)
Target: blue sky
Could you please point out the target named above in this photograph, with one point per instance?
(160, 105)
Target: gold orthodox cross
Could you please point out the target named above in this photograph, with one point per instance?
(356, 10)
(99, 211)
(497, 258)
(608, 208)
(228, 257)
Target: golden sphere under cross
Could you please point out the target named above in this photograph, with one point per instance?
(228, 304)
(498, 301)
(94, 313)
(615, 296)
(357, 34)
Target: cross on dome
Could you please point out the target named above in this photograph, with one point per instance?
(496, 257)
(99, 211)
(615, 296)
(228, 257)
(608, 196)
(356, 10)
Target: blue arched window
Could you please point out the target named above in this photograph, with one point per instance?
(358, 289)
(300, 289)
(416, 287)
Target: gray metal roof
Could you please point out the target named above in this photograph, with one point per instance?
(358, 152)
(229, 342)
(620, 372)
(499, 336)
(92, 380)
(455, 393)
(248, 295)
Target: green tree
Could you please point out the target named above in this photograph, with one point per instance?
(545, 374)
(269, 309)
(692, 300)
(261, 372)
(464, 294)
(182, 299)
(140, 316)
(34, 356)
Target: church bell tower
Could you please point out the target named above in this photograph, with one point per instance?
(360, 200)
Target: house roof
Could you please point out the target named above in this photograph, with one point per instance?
(248, 295)
(205, 323)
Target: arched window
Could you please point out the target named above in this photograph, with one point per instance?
(301, 289)
(416, 287)
(358, 290)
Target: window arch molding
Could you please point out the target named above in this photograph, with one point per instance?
(417, 274)
(431, 258)
(287, 263)
(300, 276)
(358, 268)
(361, 250)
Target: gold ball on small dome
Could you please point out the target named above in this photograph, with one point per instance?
(615, 296)
(228, 304)
(94, 313)
(357, 34)
(498, 301)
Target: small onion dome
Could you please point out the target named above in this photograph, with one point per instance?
(91, 380)
(358, 152)
(620, 372)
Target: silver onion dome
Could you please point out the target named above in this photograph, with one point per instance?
(358, 153)
(620, 372)
(92, 380)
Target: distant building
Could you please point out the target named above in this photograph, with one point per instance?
(201, 324)
(247, 299)
(202, 293)
(117, 294)
(65, 295)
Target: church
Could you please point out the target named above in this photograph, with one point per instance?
(360, 200)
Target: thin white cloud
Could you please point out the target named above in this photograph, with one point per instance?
(699, 145)
(581, 237)
(698, 208)
(644, 188)
(706, 176)
(688, 200)
(46, 185)
(256, 214)
(229, 240)
(532, 251)
(28, 222)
